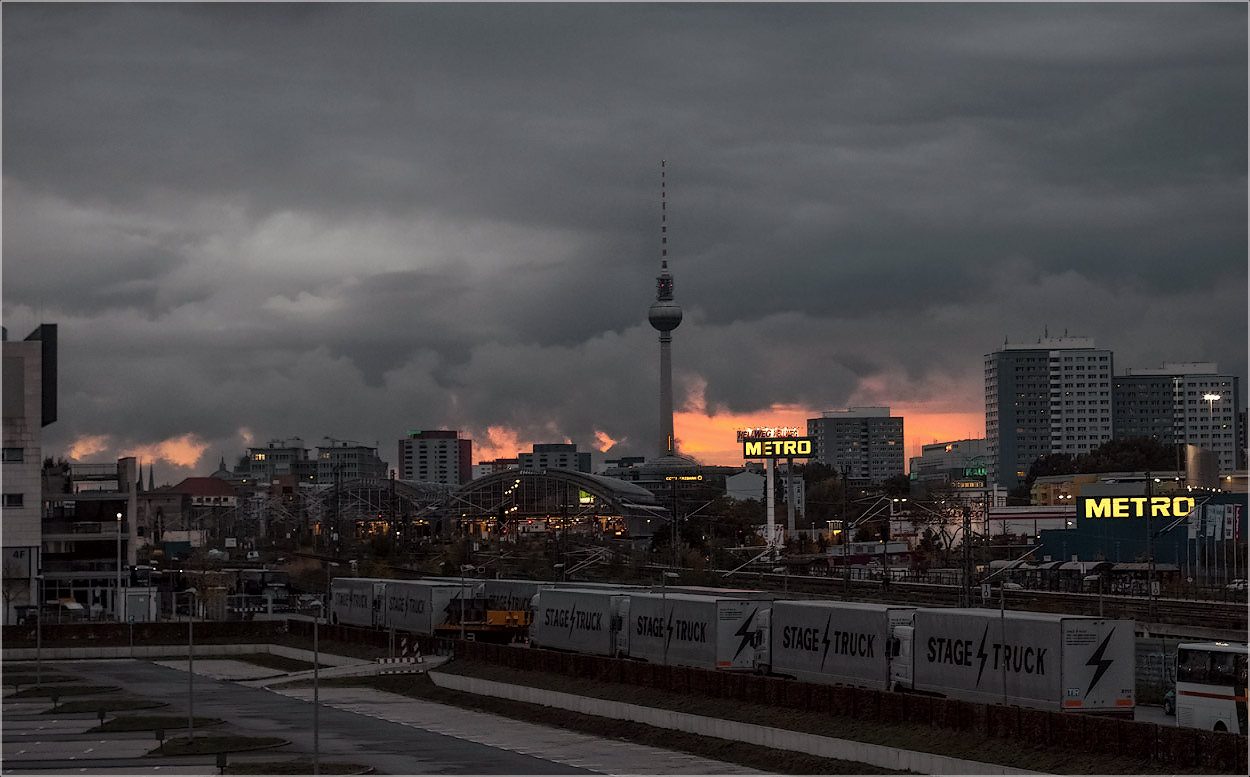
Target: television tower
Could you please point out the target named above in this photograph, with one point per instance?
(665, 315)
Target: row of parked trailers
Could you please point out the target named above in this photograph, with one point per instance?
(1042, 660)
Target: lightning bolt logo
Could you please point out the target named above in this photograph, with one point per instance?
(572, 619)
(825, 639)
(981, 654)
(1102, 664)
(669, 636)
(745, 632)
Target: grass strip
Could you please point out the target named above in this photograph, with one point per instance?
(150, 723)
(108, 705)
(295, 767)
(268, 661)
(41, 692)
(220, 744)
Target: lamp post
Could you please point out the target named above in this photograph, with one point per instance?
(1211, 399)
(190, 593)
(39, 629)
(316, 696)
(117, 603)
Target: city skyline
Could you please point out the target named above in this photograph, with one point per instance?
(258, 221)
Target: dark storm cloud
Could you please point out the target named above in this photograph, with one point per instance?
(358, 219)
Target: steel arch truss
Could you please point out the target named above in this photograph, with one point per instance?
(371, 505)
(522, 501)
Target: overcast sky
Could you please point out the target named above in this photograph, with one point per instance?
(264, 221)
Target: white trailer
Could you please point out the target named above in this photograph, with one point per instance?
(835, 642)
(357, 601)
(1044, 660)
(417, 606)
(709, 632)
(578, 620)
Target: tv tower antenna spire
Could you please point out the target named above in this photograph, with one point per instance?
(665, 315)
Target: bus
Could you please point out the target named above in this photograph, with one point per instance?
(1211, 686)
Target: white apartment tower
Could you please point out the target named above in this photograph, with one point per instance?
(1181, 403)
(436, 456)
(1054, 396)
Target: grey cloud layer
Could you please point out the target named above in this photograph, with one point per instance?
(358, 219)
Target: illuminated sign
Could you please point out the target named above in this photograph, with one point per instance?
(767, 433)
(784, 447)
(683, 477)
(1137, 506)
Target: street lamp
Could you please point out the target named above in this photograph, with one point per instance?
(117, 603)
(190, 593)
(1211, 399)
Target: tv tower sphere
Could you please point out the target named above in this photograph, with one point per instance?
(665, 314)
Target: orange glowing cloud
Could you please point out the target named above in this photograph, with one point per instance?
(183, 451)
(500, 443)
(87, 445)
(603, 441)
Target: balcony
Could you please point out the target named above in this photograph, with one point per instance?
(93, 472)
(69, 531)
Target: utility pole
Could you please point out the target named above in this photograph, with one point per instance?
(1150, 557)
(965, 595)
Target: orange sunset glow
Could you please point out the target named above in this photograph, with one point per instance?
(712, 439)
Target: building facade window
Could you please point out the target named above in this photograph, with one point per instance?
(13, 500)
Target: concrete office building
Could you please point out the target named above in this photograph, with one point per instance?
(1054, 396)
(280, 458)
(865, 443)
(436, 456)
(1181, 403)
(342, 461)
(956, 463)
(30, 403)
(555, 456)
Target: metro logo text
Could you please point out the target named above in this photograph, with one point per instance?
(777, 448)
(1138, 507)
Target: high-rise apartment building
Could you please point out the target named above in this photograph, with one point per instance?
(30, 403)
(1181, 403)
(1054, 396)
(555, 455)
(866, 443)
(436, 456)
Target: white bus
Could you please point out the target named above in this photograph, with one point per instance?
(1211, 686)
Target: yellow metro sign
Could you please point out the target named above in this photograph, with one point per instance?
(1137, 506)
(777, 448)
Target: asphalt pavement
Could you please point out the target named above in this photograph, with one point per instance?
(389, 733)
